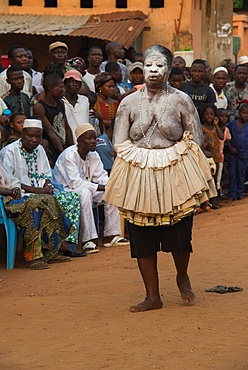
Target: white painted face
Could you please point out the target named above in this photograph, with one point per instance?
(156, 69)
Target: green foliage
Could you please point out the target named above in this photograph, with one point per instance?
(188, 48)
(237, 4)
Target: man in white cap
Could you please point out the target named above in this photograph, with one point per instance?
(76, 106)
(26, 160)
(243, 60)
(58, 52)
(79, 168)
(220, 79)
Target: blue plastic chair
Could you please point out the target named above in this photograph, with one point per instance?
(11, 234)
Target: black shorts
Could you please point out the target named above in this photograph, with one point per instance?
(148, 240)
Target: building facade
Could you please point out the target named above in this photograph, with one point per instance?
(205, 26)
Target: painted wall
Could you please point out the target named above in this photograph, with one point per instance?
(161, 21)
(240, 28)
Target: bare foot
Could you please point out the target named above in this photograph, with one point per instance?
(147, 305)
(186, 291)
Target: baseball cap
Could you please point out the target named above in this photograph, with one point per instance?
(137, 65)
(57, 44)
(74, 74)
(243, 59)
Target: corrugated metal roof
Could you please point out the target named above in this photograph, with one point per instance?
(118, 16)
(46, 25)
(124, 32)
(123, 27)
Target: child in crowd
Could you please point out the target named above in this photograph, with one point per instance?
(209, 120)
(176, 78)
(237, 160)
(223, 119)
(16, 100)
(16, 121)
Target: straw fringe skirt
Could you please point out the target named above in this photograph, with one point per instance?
(159, 186)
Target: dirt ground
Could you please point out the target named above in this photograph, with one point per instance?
(75, 315)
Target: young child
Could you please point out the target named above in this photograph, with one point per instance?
(16, 100)
(209, 120)
(176, 78)
(223, 119)
(237, 160)
(16, 121)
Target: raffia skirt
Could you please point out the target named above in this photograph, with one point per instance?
(159, 186)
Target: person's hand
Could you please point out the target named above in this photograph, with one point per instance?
(40, 191)
(97, 114)
(48, 187)
(4, 120)
(16, 193)
(216, 121)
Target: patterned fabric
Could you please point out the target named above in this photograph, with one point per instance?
(214, 142)
(108, 110)
(235, 98)
(43, 223)
(71, 204)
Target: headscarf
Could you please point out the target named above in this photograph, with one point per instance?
(101, 79)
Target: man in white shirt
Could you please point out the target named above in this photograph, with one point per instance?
(36, 76)
(76, 106)
(80, 169)
(17, 57)
(95, 58)
(220, 79)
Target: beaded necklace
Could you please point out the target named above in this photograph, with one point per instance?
(147, 138)
(31, 161)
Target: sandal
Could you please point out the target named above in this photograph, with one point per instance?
(90, 247)
(74, 254)
(117, 240)
(37, 265)
(58, 259)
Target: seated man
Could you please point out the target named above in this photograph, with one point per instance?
(79, 168)
(38, 214)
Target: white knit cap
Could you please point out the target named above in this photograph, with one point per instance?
(32, 123)
(80, 130)
(220, 69)
(243, 59)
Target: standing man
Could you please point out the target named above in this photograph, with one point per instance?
(52, 112)
(237, 93)
(36, 76)
(76, 106)
(17, 57)
(195, 88)
(95, 58)
(115, 53)
(58, 52)
(220, 78)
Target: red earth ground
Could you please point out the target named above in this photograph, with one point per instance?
(75, 315)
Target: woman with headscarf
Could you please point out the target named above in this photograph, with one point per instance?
(105, 88)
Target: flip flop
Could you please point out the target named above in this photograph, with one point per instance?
(59, 259)
(117, 240)
(37, 265)
(90, 247)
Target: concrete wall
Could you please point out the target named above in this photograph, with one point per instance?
(216, 32)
